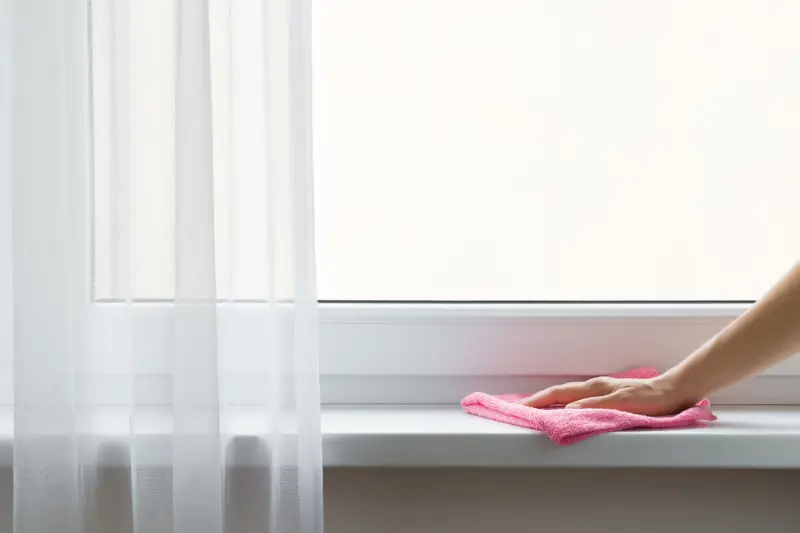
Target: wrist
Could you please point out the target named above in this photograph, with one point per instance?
(682, 386)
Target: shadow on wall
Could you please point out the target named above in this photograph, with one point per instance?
(561, 501)
(454, 500)
(108, 501)
(6, 488)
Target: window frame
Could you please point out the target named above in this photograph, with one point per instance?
(410, 352)
(437, 353)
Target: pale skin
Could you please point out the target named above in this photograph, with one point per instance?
(765, 335)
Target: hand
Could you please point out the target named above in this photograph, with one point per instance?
(652, 397)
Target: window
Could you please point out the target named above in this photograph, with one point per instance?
(470, 151)
(571, 151)
(581, 151)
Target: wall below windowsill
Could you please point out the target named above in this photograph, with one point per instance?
(573, 500)
(444, 436)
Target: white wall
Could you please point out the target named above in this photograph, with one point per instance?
(495, 501)
(552, 501)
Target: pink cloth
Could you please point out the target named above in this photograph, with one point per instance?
(568, 426)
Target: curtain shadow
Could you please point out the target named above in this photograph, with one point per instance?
(6, 489)
(248, 497)
(108, 496)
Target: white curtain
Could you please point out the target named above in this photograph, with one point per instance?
(158, 321)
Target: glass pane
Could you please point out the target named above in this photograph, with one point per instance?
(476, 150)
(539, 150)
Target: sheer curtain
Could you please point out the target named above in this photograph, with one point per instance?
(148, 384)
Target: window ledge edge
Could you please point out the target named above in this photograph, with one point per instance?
(444, 436)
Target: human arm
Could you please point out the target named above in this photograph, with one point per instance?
(764, 335)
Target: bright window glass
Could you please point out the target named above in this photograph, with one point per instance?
(477, 150)
(539, 150)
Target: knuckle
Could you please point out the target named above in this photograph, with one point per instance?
(598, 384)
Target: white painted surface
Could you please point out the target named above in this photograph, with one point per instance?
(482, 500)
(743, 437)
(445, 436)
(418, 353)
(517, 339)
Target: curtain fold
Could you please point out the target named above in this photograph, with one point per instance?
(159, 341)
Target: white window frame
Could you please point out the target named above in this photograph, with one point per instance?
(436, 353)
(398, 353)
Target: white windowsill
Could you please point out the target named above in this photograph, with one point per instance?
(435, 436)
(762, 437)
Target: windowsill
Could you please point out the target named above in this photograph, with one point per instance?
(437, 436)
(763, 437)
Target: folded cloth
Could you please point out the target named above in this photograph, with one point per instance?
(568, 426)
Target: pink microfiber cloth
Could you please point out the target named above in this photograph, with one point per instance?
(568, 426)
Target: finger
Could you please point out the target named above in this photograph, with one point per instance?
(618, 400)
(564, 394)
